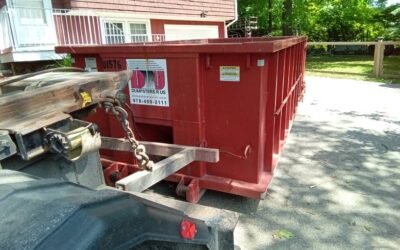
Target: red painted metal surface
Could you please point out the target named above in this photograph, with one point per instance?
(188, 230)
(247, 118)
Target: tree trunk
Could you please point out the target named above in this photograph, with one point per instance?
(287, 29)
(269, 16)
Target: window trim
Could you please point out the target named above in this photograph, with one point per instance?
(126, 27)
(116, 35)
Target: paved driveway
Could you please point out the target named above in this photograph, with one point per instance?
(338, 182)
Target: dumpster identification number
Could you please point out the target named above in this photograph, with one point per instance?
(149, 82)
(229, 73)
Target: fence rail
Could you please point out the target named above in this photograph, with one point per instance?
(378, 51)
(38, 27)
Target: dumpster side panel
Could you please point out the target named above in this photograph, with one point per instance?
(232, 116)
(185, 93)
(272, 84)
(184, 78)
(242, 101)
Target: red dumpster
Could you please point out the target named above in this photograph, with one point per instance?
(236, 95)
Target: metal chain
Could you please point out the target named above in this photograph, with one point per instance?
(113, 106)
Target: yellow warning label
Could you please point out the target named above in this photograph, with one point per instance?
(87, 99)
(229, 73)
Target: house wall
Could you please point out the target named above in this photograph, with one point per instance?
(157, 26)
(217, 9)
(60, 4)
(72, 29)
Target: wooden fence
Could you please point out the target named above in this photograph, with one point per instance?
(378, 51)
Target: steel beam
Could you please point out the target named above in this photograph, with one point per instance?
(160, 149)
(178, 156)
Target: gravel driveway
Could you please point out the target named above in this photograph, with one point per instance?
(337, 185)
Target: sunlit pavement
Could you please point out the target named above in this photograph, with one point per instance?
(337, 185)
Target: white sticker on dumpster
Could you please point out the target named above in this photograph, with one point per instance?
(90, 64)
(229, 73)
(149, 82)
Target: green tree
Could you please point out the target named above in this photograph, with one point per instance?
(270, 19)
(390, 18)
(287, 18)
(269, 13)
(325, 20)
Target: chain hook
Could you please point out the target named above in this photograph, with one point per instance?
(114, 107)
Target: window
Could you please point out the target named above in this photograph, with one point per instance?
(138, 32)
(30, 12)
(125, 32)
(114, 33)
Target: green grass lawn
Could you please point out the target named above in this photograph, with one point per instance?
(354, 67)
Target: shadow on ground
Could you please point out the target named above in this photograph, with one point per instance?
(338, 181)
